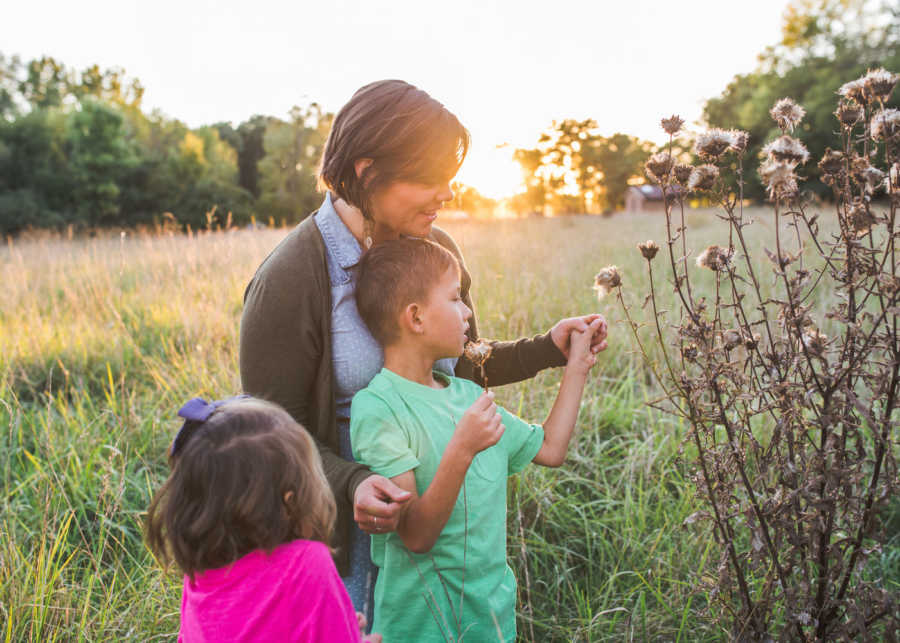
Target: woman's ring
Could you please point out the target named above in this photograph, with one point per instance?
(375, 522)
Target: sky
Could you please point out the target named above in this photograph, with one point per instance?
(506, 69)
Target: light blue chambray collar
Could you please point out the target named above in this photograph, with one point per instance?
(338, 238)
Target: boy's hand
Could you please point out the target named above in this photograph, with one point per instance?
(581, 356)
(480, 426)
(561, 333)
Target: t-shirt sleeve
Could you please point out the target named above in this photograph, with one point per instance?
(521, 440)
(377, 437)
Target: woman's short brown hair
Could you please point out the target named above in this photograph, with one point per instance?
(408, 135)
(394, 274)
(249, 477)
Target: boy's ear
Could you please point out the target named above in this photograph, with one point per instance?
(411, 319)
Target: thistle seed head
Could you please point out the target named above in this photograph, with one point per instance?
(751, 342)
(787, 114)
(732, 338)
(814, 341)
(860, 220)
(715, 258)
(739, 140)
(672, 125)
(873, 178)
(607, 279)
(648, 249)
(854, 90)
(786, 148)
(779, 177)
(691, 351)
(659, 166)
(832, 162)
(849, 113)
(713, 144)
(880, 83)
(703, 177)
(682, 173)
(478, 352)
(886, 125)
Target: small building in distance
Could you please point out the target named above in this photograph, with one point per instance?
(647, 198)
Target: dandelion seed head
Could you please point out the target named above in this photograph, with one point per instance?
(787, 114)
(849, 113)
(854, 90)
(779, 177)
(672, 125)
(649, 249)
(715, 258)
(886, 125)
(786, 148)
(659, 166)
(703, 177)
(880, 83)
(478, 352)
(713, 143)
(607, 279)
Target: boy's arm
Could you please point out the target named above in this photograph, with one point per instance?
(423, 518)
(561, 421)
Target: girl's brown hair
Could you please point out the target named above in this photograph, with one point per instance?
(408, 135)
(249, 477)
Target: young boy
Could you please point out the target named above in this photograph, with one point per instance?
(443, 573)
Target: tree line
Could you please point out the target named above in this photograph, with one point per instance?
(77, 149)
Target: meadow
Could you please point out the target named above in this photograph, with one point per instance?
(102, 339)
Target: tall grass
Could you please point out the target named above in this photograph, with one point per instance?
(102, 339)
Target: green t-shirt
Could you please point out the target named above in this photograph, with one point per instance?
(463, 585)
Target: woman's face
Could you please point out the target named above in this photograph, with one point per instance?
(409, 209)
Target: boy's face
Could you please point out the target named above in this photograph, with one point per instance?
(445, 317)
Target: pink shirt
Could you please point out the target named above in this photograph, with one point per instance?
(293, 594)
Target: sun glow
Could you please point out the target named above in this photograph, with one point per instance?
(492, 172)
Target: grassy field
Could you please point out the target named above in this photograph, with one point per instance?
(102, 339)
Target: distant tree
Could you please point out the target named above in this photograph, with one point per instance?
(469, 200)
(575, 169)
(287, 172)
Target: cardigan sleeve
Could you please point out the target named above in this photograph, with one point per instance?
(281, 349)
(510, 361)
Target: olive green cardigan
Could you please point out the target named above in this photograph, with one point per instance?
(285, 352)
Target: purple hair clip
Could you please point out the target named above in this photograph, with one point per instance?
(195, 412)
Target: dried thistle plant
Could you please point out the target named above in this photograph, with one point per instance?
(792, 393)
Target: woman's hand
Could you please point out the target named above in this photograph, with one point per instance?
(561, 333)
(377, 504)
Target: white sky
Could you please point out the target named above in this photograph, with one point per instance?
(507, 69)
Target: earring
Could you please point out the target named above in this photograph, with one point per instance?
(368, 226)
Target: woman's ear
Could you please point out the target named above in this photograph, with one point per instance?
(360, 166)
(288, 496)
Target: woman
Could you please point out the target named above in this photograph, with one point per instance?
(387, 167)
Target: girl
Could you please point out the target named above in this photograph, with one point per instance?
(246, 514)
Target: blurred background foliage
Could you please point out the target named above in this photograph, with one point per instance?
(76, 147)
